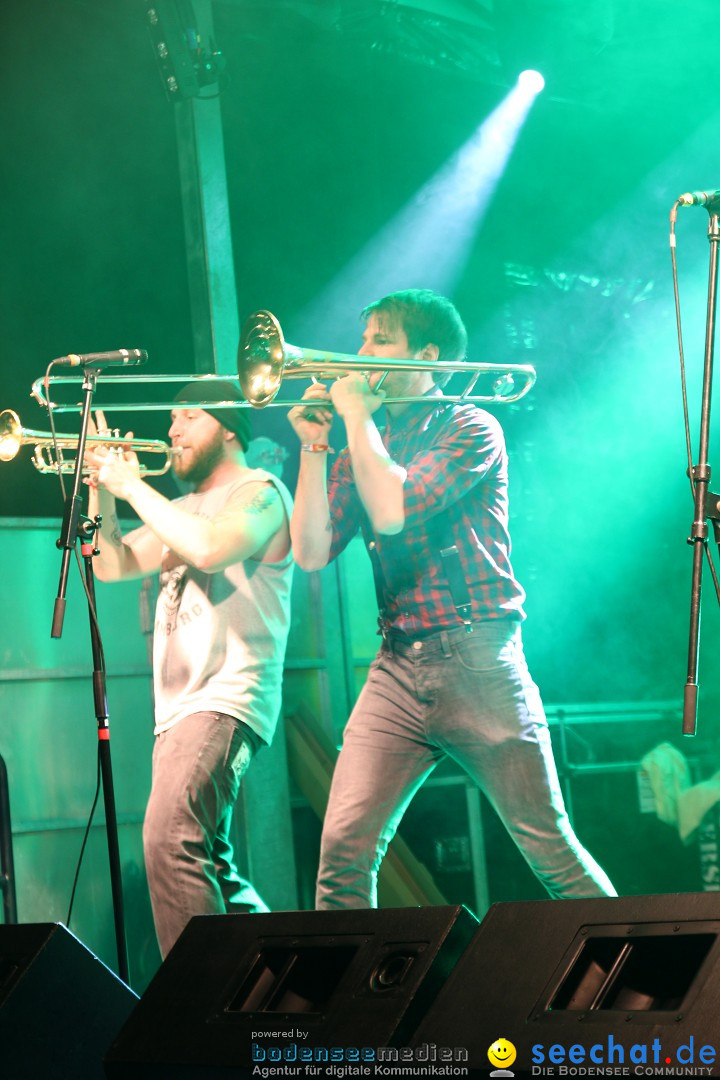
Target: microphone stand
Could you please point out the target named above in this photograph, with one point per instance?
(73, 525)
(707, 504)
(71, 516)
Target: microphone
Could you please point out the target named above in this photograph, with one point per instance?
(700, 198)
(117, 357)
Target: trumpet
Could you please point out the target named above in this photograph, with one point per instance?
(265, 360)
(13, 435)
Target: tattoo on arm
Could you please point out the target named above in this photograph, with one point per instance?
(262, 501)
(115, 532)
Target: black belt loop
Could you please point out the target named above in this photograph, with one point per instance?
(458, 585)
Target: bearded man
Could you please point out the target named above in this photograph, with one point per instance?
(225, 564)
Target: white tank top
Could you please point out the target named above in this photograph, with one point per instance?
(220, 638)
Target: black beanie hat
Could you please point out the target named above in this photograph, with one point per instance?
(219, 391)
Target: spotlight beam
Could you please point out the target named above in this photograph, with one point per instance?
(428, 242)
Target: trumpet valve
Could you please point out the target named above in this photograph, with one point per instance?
(43, 460)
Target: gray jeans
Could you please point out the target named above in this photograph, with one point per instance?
(197, 768)
(469, 697)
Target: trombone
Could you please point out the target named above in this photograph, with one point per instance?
(48, 452)
(265, 360)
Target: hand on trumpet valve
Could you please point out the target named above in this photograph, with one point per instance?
(97, 427)
(113, 467)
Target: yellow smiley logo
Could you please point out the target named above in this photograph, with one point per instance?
(502, 1053)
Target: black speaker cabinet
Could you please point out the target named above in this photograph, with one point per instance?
(242, 991)
(60, 1007)
(585, 987)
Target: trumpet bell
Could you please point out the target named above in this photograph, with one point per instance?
(10, 434)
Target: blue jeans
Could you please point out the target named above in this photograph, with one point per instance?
(469, 697)
(197, 768)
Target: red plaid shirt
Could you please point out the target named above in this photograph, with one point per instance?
(455, 493)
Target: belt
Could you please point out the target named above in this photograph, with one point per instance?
(436, 643)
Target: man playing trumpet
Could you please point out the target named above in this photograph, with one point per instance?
(429, 493)
(223, 555)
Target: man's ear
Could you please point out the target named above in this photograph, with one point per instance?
(428, 352)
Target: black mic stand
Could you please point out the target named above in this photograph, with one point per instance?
(73, 525)
(707, 504)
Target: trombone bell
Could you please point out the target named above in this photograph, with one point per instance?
(261, 358)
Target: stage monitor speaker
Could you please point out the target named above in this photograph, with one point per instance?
(60, 1007)
(242, 991)
(587, 987)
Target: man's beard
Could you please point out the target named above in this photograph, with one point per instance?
(202, 461)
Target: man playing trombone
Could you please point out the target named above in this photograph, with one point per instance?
(429, 493)
(223, 554)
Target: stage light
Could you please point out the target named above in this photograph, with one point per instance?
(531, 80)
(427, 242)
